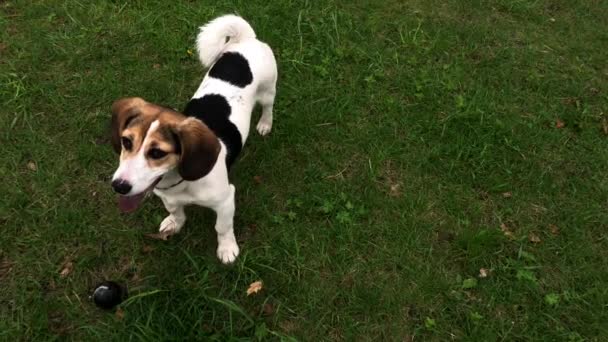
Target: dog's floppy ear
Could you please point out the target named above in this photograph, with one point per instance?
(199, 148)
(123, 111)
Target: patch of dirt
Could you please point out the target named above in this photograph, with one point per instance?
(247, 233)
(268, 309)
(289, 326)
(390, 179)
(6, 266)
(58, 324)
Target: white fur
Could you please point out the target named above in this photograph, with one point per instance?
(136, 170)
(214, 190)
(212, 39)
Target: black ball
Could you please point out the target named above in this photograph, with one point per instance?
(108, 294)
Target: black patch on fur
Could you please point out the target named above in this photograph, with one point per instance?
(214, 111)
(233, 68)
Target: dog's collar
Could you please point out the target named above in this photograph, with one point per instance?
(170, 186)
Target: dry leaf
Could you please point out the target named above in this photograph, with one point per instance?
(158, 236)
(120, 314)
(507, 231)
(257, 179)
(483, 273)
(605, 126)
(66, 269)
(559, 124)
(254, 287)
(32, 166)
(553, 229)
(507, 194)
(533, 237)
(156, 66)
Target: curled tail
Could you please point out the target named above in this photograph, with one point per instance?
(217, 34)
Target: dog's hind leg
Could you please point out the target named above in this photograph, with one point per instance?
(266, 99)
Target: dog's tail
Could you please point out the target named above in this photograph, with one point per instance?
(217, 34)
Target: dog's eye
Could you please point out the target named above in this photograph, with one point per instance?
(126, 143)
(156, 153)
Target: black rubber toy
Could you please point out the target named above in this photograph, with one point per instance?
(108, 294)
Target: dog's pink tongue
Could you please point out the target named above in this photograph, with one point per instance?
(128, 204)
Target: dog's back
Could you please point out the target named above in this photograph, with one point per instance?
(242, 72)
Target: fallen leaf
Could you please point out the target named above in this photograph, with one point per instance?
(559, 124)
(553, 229)
(158, 236)
(32, 166)
(507, 231)
(254, 287)
(538, 209)
(120, 314)
(257, 179)
(605, 126)
(147, 249)
(66, 269)
(533, 237)
(483, 273)
(507, 194)
(156, 65)
(268, 309)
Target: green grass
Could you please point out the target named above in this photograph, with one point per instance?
(399, 126)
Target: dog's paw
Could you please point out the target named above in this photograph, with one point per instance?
(170, 226)
(227, 251)
(264, 127)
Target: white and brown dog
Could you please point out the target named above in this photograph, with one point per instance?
(185, 157)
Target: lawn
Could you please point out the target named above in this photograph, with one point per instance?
(436, 171)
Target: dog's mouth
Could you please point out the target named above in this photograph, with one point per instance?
(128, 204)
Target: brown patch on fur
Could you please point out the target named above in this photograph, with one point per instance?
(123, 111)
(165, 140)
(200, 149)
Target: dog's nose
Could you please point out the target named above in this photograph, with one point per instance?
(121, 186)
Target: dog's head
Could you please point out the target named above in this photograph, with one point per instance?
(153, 140)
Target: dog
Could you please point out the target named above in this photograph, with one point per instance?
(185, 158)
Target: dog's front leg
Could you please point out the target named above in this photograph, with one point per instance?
(173, 223)
(227, 248)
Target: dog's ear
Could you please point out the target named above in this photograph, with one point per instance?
(199, 148)
(123, 111)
